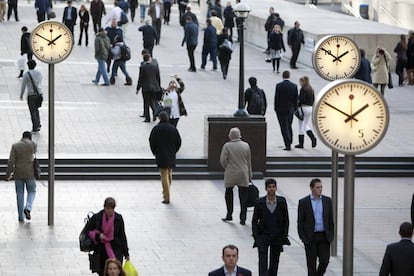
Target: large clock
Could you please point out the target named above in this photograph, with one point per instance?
(350, 116)
(51, 42)
(336, 57)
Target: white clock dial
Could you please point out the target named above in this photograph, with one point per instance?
(51, 42)
(350, 116)
(336, 57)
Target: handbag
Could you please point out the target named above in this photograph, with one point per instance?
(227, 46)
(39, 97)
(299, 113)
(36, 169)
(130, 269)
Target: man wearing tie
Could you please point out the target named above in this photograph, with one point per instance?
(69, 16)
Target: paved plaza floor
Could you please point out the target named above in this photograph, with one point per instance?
(186, 237)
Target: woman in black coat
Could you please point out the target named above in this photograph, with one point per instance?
(224, 53)
(276, 46)
(229, 16)
(84, 24)
(107, 230)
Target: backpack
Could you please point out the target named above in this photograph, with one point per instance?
(85, 243)
(253, 195)
(257, 102)
(125, 52)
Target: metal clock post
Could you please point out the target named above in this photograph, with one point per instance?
(51, 42)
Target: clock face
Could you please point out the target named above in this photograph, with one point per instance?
(336, 57)
(51, 42)
(350, 116)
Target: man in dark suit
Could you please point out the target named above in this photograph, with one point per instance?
(295, 39)
(191, 39)
(149, 81)
(149, 35)
(270, 227)
(69, 16)
(399, 256)
(165, 141)
(286, 102)
(230, 257)
(209, 46)
(316, 228)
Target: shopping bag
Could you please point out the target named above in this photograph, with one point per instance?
(21, 62)
(130, 269)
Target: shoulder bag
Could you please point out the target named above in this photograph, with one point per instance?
(39, 97)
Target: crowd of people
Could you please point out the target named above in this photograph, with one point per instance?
(270, 222)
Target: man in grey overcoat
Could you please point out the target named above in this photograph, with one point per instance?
(235, 158)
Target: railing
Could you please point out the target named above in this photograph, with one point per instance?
(352, 11)
(392, 17)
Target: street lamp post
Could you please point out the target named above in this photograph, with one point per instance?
(241, 11)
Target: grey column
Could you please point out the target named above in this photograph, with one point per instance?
(51, 175)
(349, 189)
(334, 179)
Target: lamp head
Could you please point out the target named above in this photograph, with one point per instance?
(242, 10)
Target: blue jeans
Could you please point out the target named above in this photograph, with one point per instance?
(101, 71)
(213, 56)
(142, 10)
(121, 64)
(31, 193)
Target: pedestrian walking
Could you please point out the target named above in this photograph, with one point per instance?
(364, 70)
(188, 13)
(119, 61)
(107, 230)
(167, 11)
(235, 158)
(83, 24)
(216, 22)
(286, 102)
(133, 4)
(143, 5)
(32, 80)
(20, 167)
(12, 8)
(165, 141)
(69, 17)
(306, 99)
(102, 48)
(270, 227)
(230, 256)
(97, 10)
(295, 39)
(149, 81)
(225, 49)
(42, 7)
(156, 11)
(276, 46)
(209, 46)
(380, 68)
(399, 256)
(401, 51)
(25, 47)
(114, 14)
(182, 5)
(3, 7)
(229, 16)
(191, 41)
(173, 101)
(112, 31)
(316, 228)
(255, 98)
(149, 35)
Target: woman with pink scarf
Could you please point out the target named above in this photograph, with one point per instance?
(107, 231)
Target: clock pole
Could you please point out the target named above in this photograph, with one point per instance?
(51, 173)
(349, 191)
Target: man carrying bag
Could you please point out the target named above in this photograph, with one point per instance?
(32, 79)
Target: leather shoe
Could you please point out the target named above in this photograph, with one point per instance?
(227, 219)
(165, 202)
(142, 116)
(242, 222)
(27, 214)
(146, 121)
(287, 148)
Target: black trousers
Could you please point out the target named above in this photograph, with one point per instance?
(295, 54)
(34, 112)
(268, 267)
(190, 52)
(12, 8)
(285, 122)
(157, 26)
(70, 24)
(149, 102)
(83, 28)
(243, 197)
(167, 12)
(318, 248)
(132, 9)
(149, 46)
(96, 20)
(399, 69)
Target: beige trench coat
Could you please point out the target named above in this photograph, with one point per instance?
(380, 69)
(235, 158)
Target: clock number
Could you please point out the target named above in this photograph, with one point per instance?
(361, 133)
(41, 48)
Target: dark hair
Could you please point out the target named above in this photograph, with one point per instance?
(27, 134)
(100, 30)
(31, 64)
(381, 51)
(163, 116)
(270, 181)
(147, 57)
(144, 51)
(24, 29)
(232, 247)
(253, 81)
(286, 74)
(406, 230)
(362, 51)
(314, 181)
(213, 12)
(110, 202)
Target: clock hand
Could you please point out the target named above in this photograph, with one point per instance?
(339, 57)
(53, 41)
(43, 37)
(352, 117)
(340, 111)
(328, 52)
